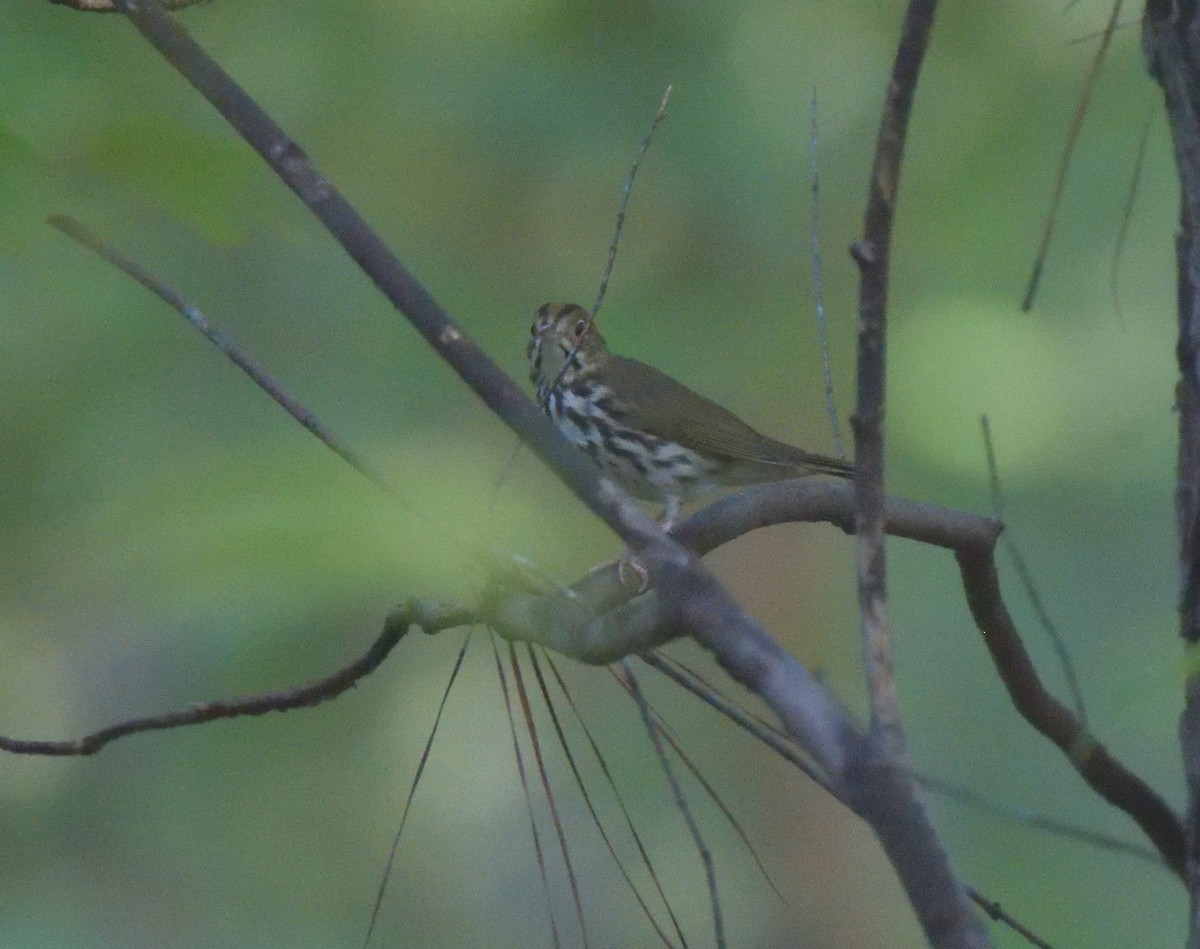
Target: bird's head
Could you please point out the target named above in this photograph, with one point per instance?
(558, 331)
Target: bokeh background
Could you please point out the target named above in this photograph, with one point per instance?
(169, 536)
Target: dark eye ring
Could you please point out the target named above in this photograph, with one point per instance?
(580, 327)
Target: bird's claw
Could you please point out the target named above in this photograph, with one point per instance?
(629, 568)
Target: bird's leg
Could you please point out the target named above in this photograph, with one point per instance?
(628, 564)
(670, 513)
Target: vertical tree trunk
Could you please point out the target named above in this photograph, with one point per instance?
(1171, 42)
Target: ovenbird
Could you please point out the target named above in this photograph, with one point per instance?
(654, 436)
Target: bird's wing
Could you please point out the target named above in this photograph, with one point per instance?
(672, 411)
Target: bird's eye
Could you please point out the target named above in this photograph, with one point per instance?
(580, 327)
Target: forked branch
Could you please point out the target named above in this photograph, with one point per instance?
(687, 599)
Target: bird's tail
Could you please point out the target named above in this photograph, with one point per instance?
(823, 464)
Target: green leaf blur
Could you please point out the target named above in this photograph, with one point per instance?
(169, 536)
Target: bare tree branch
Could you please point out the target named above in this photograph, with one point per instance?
(429, 616)
(1064, 164)
(602, 622)
(110, 6)
(996, 911)
(884, 791)
(1171, 43)
(1105, 775)
(695, 601)
(873, 253)
(688, 600)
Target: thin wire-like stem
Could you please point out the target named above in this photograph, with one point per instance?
(583, 791)
(630, 683)
(611, 781)
(1139, 165)
(673, 740)
(625, 193)
(997, 912)
(429, 616)
(412, 791)
(520, 759)
(503, 476)
(778, 742)
(1043, 822)
(818, 293)
(787, 749)
(1097, 34)
(227, 346)
(1064, 164)
(1024, 574)
(559, 830)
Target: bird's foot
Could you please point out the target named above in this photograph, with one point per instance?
(631, 573)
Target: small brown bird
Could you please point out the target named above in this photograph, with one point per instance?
(654, 436)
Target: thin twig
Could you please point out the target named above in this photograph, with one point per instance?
(612, 784)
(889, 797)
(289, 403)
(996, 911)
(412, 791)
(429, 616)
(630, 682)
(1064, 164)
(1097, 34)
(1065, 662)
(583, 791)
(625, 192)
(818, 293)
(676, 744)
(555, 820)
(520, 759)
(1042, 822)
(1139, 165)
(230, 349)
(872, 254)
(781, 744)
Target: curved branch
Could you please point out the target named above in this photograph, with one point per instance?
(1102, 772)
(429, 616)
(689, 598)
(110, 6)
(692, 595)
(603, 622)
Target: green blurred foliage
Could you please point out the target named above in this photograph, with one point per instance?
(170, 537)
